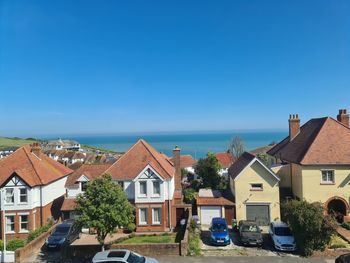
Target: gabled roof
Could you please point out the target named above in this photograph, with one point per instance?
(186, 161)
(212, 197)
(91, 171)
(141, 154)
(245, 160)
(34, 170)
(225, 159)
(321, 141)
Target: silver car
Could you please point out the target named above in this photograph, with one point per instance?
(121, 256)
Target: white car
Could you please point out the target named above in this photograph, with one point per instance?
(121, 256)
(282, 237)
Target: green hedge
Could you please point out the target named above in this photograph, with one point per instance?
(37, 232)
(13, 244)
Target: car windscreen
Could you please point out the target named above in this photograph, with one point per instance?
(251, 228)
(134, 258)
(282, 231)
(219, 228)
(61, 230)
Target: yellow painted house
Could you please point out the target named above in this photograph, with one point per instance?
(256, 190)
(316, 162)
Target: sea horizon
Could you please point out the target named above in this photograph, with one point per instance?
(195, 143)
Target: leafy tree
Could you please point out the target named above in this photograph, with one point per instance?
(190, 195)
(311, 228)
(104, 206)
(237, 147)
(266, 159)
(208, 170)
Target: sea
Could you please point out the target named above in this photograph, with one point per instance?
(197, 144)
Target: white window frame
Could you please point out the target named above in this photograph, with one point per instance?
(23, 230)
(6, 225)
(19, 194)
(153, 188)
(142, 223)
(13, 196)
(160, 216)
(252, 188)
(142, 194)
(327, 175)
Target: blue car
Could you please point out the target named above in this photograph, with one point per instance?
(219, 234)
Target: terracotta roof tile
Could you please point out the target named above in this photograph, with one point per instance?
(214, 201)
(69, 204)
(91, 171)
(34, 170)
(137, 158)
(186, 161)
(225, 159)
(320, 141)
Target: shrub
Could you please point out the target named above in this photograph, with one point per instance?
(337, 242)
(189, 195)
(346, 225)
(311, 228)
(194, 242)
(131, 227)
(37, 232)
(13, 244)
(196, 184)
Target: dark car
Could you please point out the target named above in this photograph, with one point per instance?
(219, 232)
(250, 233)
(343, 259)
(64, 233)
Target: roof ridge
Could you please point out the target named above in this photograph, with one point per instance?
(339, 123)
(123, 155)
(314, 139)
(147, 147)
(31, 162)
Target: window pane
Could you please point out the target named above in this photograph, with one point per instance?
(143, 215)
(156, 215)
(9, 196)
(24, 222)
(23, 195)
(143, 188)
(156, 188)
(10, 223)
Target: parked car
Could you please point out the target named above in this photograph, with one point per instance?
(120, 255)
(250, 233)
(282, 237)
(64, 233)
(343, 258)
(219, 232)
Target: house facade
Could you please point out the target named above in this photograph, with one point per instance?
(32, 190)
(256, 190)
(225, 160)
(151, 181)
(316, 162)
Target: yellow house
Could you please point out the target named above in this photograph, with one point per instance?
(256, 190)
(316, 162)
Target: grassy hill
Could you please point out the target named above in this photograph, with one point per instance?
(6, 142)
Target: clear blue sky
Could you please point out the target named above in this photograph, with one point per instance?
(133, 66)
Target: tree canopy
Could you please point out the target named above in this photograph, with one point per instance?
(237, 147)
(311, 228)
(104, 206)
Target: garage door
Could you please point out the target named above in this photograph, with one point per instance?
(259, 213)
(208, 212)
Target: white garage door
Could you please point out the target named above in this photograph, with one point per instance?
(208, 212)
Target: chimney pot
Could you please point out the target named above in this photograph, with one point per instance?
(343, 117)
(36, 148)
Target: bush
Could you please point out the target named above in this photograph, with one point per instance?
(337, 242)
(37, 232)
(311, 228)
(13, 244)
(131, 227)
(194, 242)
(346, 225)
(189, 195)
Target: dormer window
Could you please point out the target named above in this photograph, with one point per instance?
(143, 188)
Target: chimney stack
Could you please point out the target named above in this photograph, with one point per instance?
(176, 161)
(343, 117)
(294, 126)
(36, 148)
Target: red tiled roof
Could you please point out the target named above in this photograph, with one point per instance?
(34, 170)
(141, 154)
(69, 204)
(320, 141)
(225, 159)
(214, 201)
(91, 171)
(238, 166)
(186, 161)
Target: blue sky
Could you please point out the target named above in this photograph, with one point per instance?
(134, 66)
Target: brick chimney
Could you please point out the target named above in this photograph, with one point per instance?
(294, 126)
(176, 161)
(36, 148)
(343, 117)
